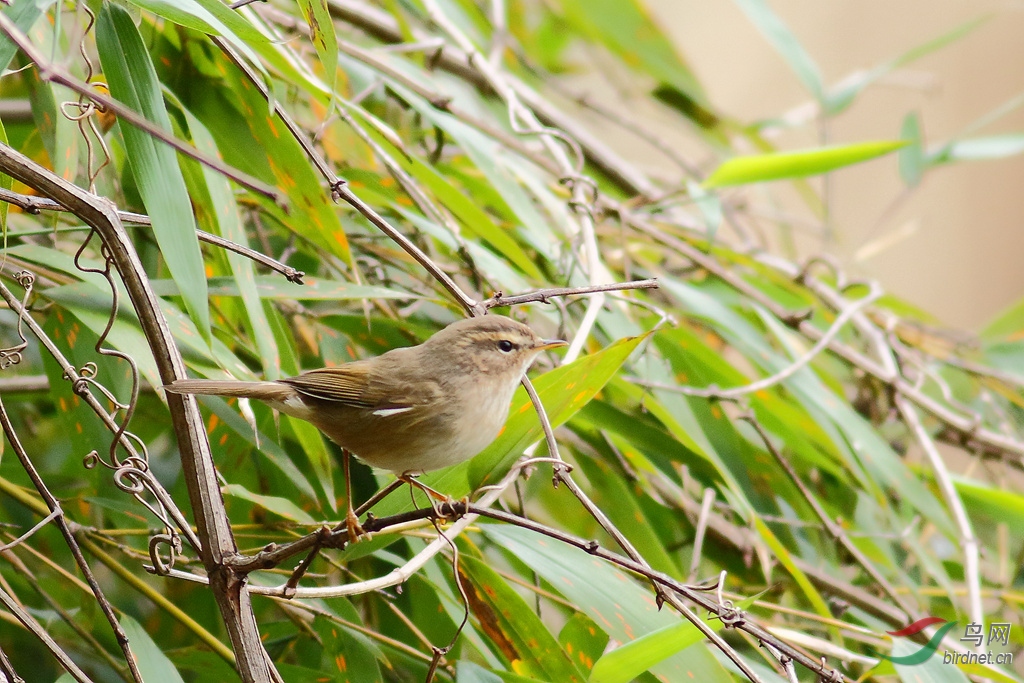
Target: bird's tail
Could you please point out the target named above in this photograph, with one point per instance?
(273, 392)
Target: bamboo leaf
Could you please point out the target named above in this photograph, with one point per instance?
(785, 43)
(153, 164)
(24, 14)
(779, 165)
(279, 506)
(613, 600)
(628, 31)
(153, 663)
(979, 149)
(628, 661)
(321, 32)
(523, 639)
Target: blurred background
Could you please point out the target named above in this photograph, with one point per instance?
(954, 245)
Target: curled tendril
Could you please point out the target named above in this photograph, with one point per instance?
(173, 542)
(25, 279)
(833, 676)
(8, 358)
(576, 179)
(84, 109)
(12, 354)
(730, 616)
(129, 479)
(91, 459)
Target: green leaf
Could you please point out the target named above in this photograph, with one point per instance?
(321, 33)
(1008, 323)
(250, 135)
(279, 506)
(154, 165)
(276, 287)
(212, 18)
(312, 439)
(509, 622)
(626, 29)
(780, 553)
(475, 220)
(613, 600)
(999, 504)
(612, 493)
(314, 447)
(761, 167)
(6, 182)
(153, 663)
(979, 149)
(710, 207)
(582, 640)
(785, 43)
(212, 190)
(350, 656)
(864, 452)
(631, 659)
(268, 447)
(24, 14)
(843, 94)
(933, 669)
(912, 156)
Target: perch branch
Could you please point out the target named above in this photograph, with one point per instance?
(199, 472)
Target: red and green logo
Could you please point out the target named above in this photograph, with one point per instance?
(927, 650)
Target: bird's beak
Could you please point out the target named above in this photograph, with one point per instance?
(549, 344)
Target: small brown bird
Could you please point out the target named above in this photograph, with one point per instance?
(412, 409)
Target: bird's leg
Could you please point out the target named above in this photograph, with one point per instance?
(435, 495)
(351, 519)
(378, 497)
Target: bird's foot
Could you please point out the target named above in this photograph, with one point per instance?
(353, 527)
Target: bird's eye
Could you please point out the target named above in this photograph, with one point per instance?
(505, 346)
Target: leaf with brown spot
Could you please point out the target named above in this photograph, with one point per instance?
(511, 625)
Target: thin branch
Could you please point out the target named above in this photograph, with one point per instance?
(340, 190)
(33, 204)
(784, 374)
(833, 529)
(969, 430)
(80, 386)
(744, 541)
(468, 303)
(542, 295)
(697, 595)
(968, 541)
(39, 632)
(396, 576)
(55, 74)
(385, 28)
(707, 501)
(57, 515)
(561, 474)
(176, 612)
(75, 624)
(7, 669)
(229, 589)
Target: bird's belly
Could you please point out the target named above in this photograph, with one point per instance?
(401, 443)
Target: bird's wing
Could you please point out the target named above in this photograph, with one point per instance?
(343, 384)
(355, 384)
